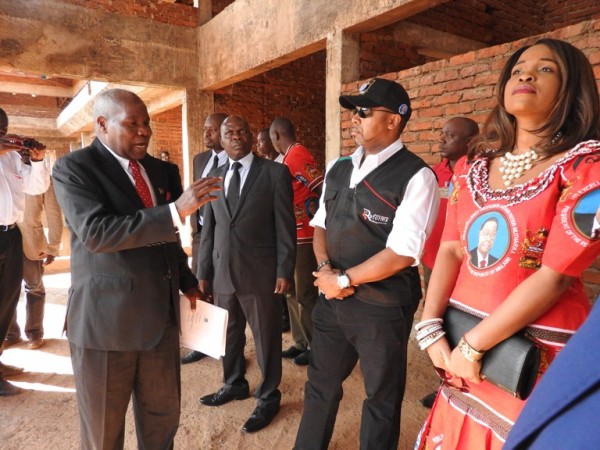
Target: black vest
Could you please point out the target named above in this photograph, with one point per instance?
(359, 221)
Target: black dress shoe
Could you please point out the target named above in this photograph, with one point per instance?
(428, 400)
(292, 352)
(9, 371)
(223, 396)
(302, 359)
(260, 418)
(7, 389)
(192, 356)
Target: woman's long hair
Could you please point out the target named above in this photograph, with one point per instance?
(574, 118)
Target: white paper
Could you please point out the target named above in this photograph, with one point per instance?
(205, 329)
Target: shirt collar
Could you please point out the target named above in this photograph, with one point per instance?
(377, 159)
(246, 161)
(123, 162)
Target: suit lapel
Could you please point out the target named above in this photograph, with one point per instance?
(253, 174)
(111, 166)
(157, 178)
(221, 198)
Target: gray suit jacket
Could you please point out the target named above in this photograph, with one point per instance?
(200, 161)
(256, 243)
(127, 264)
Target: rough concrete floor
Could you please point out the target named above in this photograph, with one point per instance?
(45, 417)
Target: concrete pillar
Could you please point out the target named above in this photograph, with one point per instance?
(196, 106)
(343, 56)
(194, 109)
(204, 11)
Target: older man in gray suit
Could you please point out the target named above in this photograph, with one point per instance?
(250, 231)
(127, 269)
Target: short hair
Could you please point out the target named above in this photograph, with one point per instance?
(3, 114)
(264, 130)
(284, 126)
(575, 115)
(107, 104)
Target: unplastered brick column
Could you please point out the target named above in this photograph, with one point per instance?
(342, 65)
(464, 86)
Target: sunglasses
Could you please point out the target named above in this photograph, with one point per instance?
(446, 379)
(364, 113)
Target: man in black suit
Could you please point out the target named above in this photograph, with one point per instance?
(174, 187)
(204, 163)
(480, 255)
(127, 269)
(250, 231)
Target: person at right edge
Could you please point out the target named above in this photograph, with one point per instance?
(376, 211)
(534, 166)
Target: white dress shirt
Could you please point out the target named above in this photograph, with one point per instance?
(246, 162)
(16, 180)
(124, 163)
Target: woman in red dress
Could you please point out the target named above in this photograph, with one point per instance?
(514, 246)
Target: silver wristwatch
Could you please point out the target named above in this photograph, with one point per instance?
(343, 280)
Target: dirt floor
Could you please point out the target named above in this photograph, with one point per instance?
(45, 416)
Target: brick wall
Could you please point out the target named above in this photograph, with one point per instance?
(171, 13)
(489, 21)
(560, 13)
(295, 90)
(464, 85)
(380, 53)
(167, 135)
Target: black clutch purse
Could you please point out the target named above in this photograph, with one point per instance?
(512, 365)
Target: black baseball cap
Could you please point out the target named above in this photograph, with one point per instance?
(380, 92)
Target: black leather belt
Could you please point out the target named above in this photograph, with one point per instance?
(7, 227)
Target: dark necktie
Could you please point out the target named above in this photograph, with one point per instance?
(140, 184)
(233, 191)
(482, 263)
(215, 163)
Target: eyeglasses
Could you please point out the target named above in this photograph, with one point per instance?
(364, 113)
(446, 379)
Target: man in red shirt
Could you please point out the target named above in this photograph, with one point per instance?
(454, 139)
(306, 181)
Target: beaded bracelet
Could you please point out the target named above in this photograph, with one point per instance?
(422, 334)
(428, 322)
(432, 339)
(323, 264)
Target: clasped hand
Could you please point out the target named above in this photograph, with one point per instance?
(327, 282)
(453, 362)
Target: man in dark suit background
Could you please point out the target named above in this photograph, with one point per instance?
(204, 163)
(127, 269)
(174, 186)
(250, 231)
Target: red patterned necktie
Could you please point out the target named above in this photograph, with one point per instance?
(482, 263)
(140, 184)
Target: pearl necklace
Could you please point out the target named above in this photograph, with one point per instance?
(514, 166)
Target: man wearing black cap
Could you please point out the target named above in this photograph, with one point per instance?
(377, 208)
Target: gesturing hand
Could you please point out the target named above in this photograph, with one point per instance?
(196, 195)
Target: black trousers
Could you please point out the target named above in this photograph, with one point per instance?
(11, 274)
(263, 314)
(344, 332)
